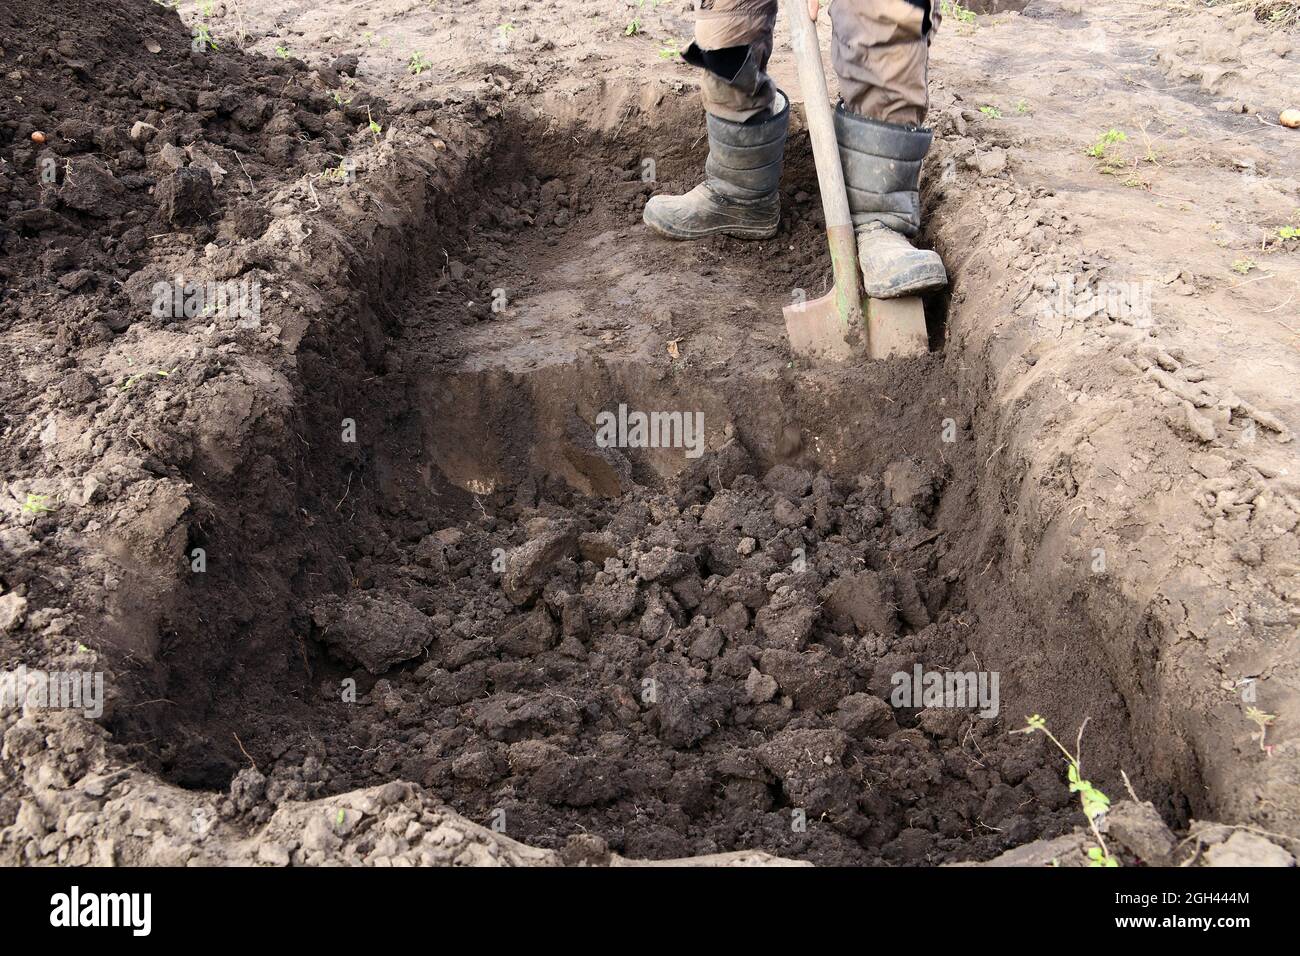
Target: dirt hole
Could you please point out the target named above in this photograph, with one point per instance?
(679, 653)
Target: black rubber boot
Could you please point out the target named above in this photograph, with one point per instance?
(739, 194)
(882, 170)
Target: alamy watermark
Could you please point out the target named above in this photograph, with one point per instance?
(60, 690)
(189, 299)
(632, 429)
(1129, 302)
(133, 911)
(964, 689)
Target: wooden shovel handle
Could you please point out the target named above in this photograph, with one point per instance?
(821, 120)
(830, 174)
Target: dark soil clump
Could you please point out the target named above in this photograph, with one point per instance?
(680, 673)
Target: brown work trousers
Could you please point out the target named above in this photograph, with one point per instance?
(879, 48)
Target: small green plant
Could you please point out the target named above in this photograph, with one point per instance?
(1093, 802)
(1243, 266)
(1099, 857)
(128, 383)
(1022, 107)
(634, 25)
(951, 8)
(1263, 721)
(339, 99)
(1107, 139)
(417, 64)
(337, 174)
(1110, 161)
(37, 505)
(282, 51)
(340, 817)
(1288, 232)
(991, 111)
(375, 128)
(203, 38)
(207, 9)
(668, 52)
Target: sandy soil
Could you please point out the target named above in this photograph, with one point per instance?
(1113, 529)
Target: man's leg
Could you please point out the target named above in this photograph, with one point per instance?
(733, 42)
(880, 50)
(747, 120)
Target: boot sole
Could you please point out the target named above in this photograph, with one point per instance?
(735, 232)
(911, 288)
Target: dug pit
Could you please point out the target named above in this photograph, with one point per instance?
(452, 578)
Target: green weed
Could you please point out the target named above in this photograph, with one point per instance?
(1108, 139)
(129, 382)
(1093, 802)
(203, 38)
(36, 505)
(951, 8)
(1263, 721)
(336, 174)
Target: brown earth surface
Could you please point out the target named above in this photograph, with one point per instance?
(363, 585)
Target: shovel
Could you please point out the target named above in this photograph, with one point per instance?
(833, 326)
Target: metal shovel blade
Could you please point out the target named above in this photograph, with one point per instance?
(896, 327)
(817, 331)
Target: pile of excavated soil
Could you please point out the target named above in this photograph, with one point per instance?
(128, 158)
(114, 129)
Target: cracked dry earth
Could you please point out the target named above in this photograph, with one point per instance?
(474, 635)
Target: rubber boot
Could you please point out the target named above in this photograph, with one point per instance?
(882, 170)
(739, 194)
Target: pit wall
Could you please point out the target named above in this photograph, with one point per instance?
(1108, 510)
